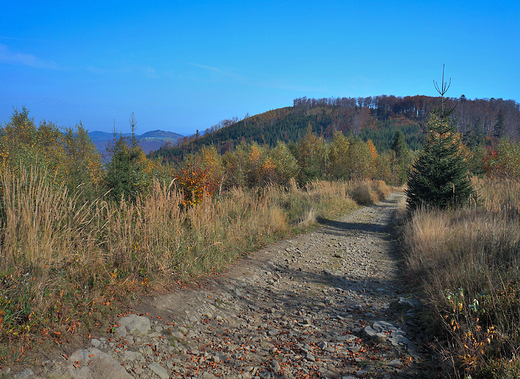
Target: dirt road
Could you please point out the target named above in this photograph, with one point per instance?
(330, 303)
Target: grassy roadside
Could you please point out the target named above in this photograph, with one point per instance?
(467, 263)
(66, 267)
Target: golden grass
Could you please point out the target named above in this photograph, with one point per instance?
(66, 262)
(468, 262)
(369, 192)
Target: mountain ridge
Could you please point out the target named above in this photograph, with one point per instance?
(149, 141)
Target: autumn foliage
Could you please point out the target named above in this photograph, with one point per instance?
(194, 183)
(503, 160)
(67, 156)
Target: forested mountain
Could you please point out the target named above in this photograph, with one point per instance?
(376, 118)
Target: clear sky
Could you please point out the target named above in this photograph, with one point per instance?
(186, 65)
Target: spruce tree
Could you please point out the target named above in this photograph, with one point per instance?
(402, 157)
(124, 171)
(401, 149)
(440, 176)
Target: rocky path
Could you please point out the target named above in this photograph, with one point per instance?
(329, 304)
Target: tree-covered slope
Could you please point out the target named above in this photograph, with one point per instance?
(376, 118)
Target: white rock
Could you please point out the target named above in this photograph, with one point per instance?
(131, 355)
(95, 364)
(159, 370)
(136, 325)
(25, 374)
(120, 332)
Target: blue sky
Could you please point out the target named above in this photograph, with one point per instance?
(186, 65)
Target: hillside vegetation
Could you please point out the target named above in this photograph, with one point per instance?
(377, 118)
(79, 237)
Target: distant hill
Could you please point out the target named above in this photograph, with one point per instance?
(149, 141)
(103, 136)
(377, 118)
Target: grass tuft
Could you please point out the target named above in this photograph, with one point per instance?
(370, 192)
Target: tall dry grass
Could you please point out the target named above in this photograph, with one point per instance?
(468, 262)
(369, 192)
(65, 260)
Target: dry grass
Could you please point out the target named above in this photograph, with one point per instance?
(66, 265)
(370, 192)
(468, 263)
(402, 209)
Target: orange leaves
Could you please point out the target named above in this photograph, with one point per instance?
(255, 154)
(372, 149)
(200, 175)
(72, 326)
(267, 170)
(194, 182)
